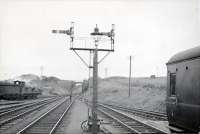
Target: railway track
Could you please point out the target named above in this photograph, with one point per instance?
(49, 121)
(15, 106)
(9, 103)
(156, 116)
(126, 123)
(8, 118)
(152, 115)
(9, 115)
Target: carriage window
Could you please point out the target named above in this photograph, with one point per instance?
(172, 84)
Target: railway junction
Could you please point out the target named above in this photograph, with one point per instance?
(60, 116)
(75, 113)
(57, 115)
(153, 86)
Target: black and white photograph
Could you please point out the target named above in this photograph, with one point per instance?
(99, 66)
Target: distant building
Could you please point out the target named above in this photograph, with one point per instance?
(153, 76)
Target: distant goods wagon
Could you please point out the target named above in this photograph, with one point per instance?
(17, 90)
(183, 90)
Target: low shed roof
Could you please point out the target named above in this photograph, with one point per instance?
(185, 55)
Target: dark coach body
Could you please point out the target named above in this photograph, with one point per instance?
(183, 89)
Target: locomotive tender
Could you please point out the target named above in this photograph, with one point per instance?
(17, 90)
(183, 90)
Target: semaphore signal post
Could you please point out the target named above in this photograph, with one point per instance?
(97, 37)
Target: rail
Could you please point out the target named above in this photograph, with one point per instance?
(132, 124)
(14, 114)
(49, 121)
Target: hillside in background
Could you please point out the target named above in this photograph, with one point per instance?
(146, 93)
(48, 85)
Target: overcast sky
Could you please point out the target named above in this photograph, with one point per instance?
(150, 30)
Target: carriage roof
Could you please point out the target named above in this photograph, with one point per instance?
(189, 54)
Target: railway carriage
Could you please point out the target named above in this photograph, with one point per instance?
(183, 89)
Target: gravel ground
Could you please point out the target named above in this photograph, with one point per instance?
(71, 123)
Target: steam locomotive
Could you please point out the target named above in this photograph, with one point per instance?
(17, 90)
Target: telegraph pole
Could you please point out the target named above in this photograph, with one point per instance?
(95, 126)
(41, 71)
(106, 72)
(129, 84)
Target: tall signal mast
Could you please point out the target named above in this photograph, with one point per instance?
(97, 37)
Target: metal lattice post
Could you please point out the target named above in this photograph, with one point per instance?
(89, 90)
(95, 88)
